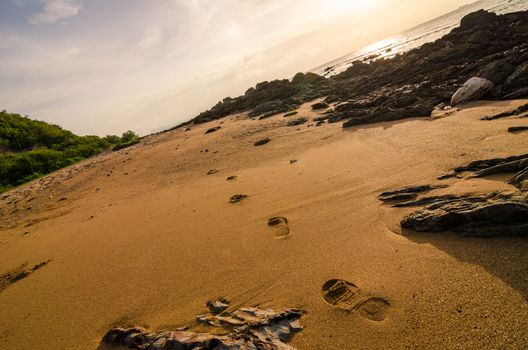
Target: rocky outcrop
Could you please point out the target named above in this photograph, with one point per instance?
(518, 111)
(485, 49)
(481, 219)
(245, 328)
(471, 215)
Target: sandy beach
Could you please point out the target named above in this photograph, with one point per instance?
(144, 236)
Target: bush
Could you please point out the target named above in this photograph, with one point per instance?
(32, 148)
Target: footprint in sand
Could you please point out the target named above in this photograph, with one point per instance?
(347, 296)
(280, 226)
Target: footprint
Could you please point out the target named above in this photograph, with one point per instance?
(280, 226)
(347, 296)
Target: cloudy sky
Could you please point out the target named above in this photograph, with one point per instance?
(106, 66)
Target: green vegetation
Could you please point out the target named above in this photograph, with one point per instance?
(31, 148)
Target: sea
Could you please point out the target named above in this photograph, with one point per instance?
(417, 36)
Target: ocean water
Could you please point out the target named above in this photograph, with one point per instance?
(417, 36)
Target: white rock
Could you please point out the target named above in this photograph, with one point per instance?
(472, 89)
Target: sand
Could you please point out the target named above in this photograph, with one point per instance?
(144, 236)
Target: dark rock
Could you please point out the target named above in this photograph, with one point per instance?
(231, 178)
(497, 71)
(516, 94)
(298, 121)
(517, 128)
(487, 163)
(439, 199)
(477, 19)
(216, 128)
(212, 171)
(519, 78)
(399, 196)
(448, 175)
(290, 114)
(262, 142)
(319, 105)
(518, 111)
(470, 218)
(410, 189)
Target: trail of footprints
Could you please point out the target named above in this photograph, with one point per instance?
(336, 292)
(347, 296)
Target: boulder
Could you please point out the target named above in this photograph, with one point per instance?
(473, 89)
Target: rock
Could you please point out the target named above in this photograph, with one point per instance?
(473, 89)
(486, 163)
(212, 171)
(497, 71)
(410, 189)
(470, 218)
(290, 114)
(439, 199)
(319, 105)
(399, 196)
(231, 178)
(216, 128)
(519, 78)
(298, 121)
(245, 328)
(477, 19)
(217, 306)
(262, 142)
(517, 128)
(516, 94)
(448, 175)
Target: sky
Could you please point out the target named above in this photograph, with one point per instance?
(106, 66)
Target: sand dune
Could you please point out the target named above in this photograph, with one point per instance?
(145, 236)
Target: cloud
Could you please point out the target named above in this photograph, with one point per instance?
(54, 10)
(151, 37)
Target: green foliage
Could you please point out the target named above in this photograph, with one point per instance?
(30, 148)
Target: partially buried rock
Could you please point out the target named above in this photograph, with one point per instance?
(216, 128)
(298, 121)
(231, 178)
(217, 306)
(290, 114)
(319, 105)
(478, 219)
(517, 128)
(473, 89)
(262, 142)
(212, 171)
(245, 328)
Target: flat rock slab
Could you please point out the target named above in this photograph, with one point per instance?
(248, 328)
